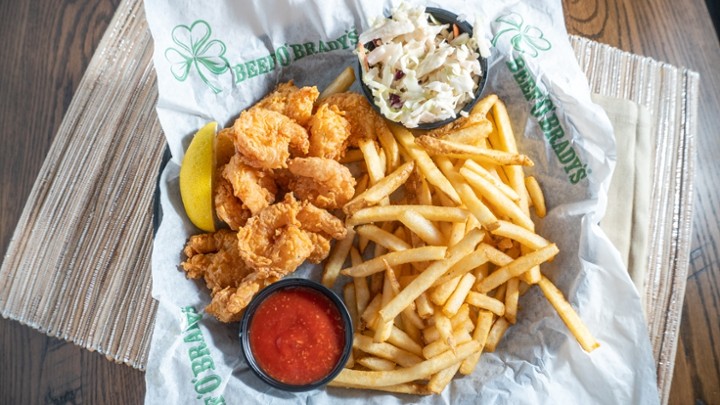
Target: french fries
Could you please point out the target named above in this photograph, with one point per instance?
(447, 216)
(341, 83)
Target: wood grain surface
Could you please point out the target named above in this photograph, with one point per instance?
(682, 34)
(47, 47)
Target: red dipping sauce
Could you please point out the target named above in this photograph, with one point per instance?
(297, 335)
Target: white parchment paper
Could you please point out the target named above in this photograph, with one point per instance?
(214, 59)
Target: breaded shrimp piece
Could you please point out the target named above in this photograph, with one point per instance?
(228, 207)
(215, 257)
(321, 222)
(228, 304)
(329, 133)
(287, 99)
(255, 188)
(364, 120)
(276, 240)
(273, 240)
(323, 182)
(264, 138)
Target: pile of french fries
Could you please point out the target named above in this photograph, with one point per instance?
(444, 221)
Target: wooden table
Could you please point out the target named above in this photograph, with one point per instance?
(48, 46)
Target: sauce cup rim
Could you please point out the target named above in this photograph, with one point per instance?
(267, 292)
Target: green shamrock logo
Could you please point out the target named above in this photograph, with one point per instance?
(528, 39)
(194, 49)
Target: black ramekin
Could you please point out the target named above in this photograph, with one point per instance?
(267, 292)
(444, 17)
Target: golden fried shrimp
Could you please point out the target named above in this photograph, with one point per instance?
(264, 138)
(364, 120)
(329, 133)
(319, 221)
(287, 99)
(228, 304)
(215, 257)
(255, 188)
(323, 182)
(228, 207)
(276, 240)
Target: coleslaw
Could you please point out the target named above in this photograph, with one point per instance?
(419, 70)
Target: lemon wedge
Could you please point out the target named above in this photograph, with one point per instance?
(196, 178)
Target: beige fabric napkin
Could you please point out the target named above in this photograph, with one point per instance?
(626, 221)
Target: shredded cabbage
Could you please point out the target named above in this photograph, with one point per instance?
(418, 71)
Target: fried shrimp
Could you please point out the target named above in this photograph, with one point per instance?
(288, 99)
(228, 207)
(364, 121)
(255, 188)
(323, 182)
(277, 240)
(265, 138)
(329, 133)
(215, 258)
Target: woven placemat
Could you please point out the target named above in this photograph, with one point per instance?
(78, 265)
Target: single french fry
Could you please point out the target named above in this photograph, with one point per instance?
(337, 258)
(424, 162)
(384, 328)
(483, 301)
(443, 147)
(402, 340)
(568, 315)
(536, 196)
(482, 107)
(426, 279)
(375, 168)
(391, 213)
(385, 350)
(340, 84)
(504, 139)
(452, 305)
(480, 334)
(502, 204)
(456, 233)
(495, 181)
(422, 370)
(521, 234)
(425, 253)
(442, 378)
(512, 294)
(496, 333)
(381, 189)
(467, 264)
(442, 292)
(382, 238)
(472, 134)
(517, 267)
(422, 227)
(376, 363)
(390, 147)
